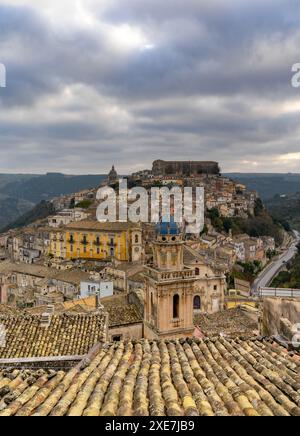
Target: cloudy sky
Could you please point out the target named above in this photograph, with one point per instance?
(96, 82)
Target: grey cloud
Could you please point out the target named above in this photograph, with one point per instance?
(236, 52)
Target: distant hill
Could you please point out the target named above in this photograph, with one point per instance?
(269, 185)
(20, 193)
(39, 212)
(49, 186)
(11, 209)
(11, 178)
(286, 209)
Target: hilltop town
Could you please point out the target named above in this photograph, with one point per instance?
(180, 306)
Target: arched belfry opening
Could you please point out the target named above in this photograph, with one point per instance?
(197, 303)
(176, 306)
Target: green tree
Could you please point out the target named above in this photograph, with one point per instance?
(85, 204)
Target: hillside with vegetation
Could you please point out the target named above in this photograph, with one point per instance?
(286, 209)
(19, 194)
(11, 209)
(51, 185)
(261, 224)
(5, 179)
(39, 212)
(291, 277)
(247, 271)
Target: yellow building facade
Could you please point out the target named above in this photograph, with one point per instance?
(92, 240)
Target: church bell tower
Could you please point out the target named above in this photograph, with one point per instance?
(169, 287)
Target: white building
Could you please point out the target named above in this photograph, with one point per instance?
(240, 251)
(102, 288)
(67, 216)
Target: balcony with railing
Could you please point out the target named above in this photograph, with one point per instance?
(186, 274)
(176, 322)
(97, 243)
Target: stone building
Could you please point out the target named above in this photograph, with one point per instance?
(281, 318)
(112, 176)
(93, 240)
(210, 285)
(18, 278)
(184, 168)
(67, 216)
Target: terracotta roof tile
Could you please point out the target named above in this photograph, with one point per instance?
(67, 335)
(99, 226)
(120, 312)
(174, 378)
(73, 276)
(232, 322)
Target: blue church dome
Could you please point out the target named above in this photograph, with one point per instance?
(168, 228)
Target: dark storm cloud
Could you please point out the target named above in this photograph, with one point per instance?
(209, 79)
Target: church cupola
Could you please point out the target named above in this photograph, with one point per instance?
(168, 247)
(112, 176)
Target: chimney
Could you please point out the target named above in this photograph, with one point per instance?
(45, 320)
(99, 305)
(50, 309)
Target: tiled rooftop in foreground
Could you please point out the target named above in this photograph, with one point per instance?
(174, 378)
(67, 335)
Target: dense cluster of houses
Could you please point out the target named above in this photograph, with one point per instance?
(122, 319)
(240, 248)
(230, 198)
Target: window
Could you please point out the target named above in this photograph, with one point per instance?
(117, 338)
(152, 306)
(163, 258)
(197, 271)
(137, 239)
(174, 259)
(176, 306)
(215, 288)
(197, 303)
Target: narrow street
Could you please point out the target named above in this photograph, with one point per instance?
(273, 269)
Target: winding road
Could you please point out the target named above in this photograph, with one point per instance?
(267, 275)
